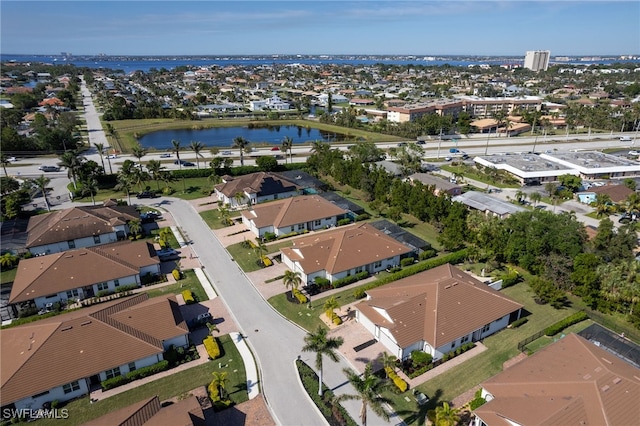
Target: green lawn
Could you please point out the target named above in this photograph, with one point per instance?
(81, 411)
(247, 258)
(189, 282)
(501, 346)
(213, 219)
(8, 276)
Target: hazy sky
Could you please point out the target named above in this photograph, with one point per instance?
(419, 27)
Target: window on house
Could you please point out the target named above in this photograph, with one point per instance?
(116, 283)
(103, 286)
(300, 226)
(72, 244)
(96, 239)
(464, 339)
(72, 294)
(485, 328)
(453, 344)
(71, 387)
(114, 372)
(132, 366)
(377, 264)
(317, 222)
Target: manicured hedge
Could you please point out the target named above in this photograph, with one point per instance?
(518, 323)
(302, 299)
(211, 345)
(407, 261)
(188, 297)
(344, 281)
(135, 375)
(453, 258)
(562, 324)
(176, 274)
(397, 380)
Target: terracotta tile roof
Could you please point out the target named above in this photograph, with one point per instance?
(149, 412)
(617, 193)
(51, 101)
(344, 248)
(261, 183)
(571, 381)
(438, 306)
(76, 222)
(292, 211)
(54, 273)
(54, 351)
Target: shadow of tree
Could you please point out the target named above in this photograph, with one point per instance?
(419, 416)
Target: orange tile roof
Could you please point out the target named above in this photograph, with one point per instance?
(344, 248)
(149, 412)
(438, 306)
(260, 183)
(292, 211)
(571, 381)
(45, 275)
(76, 222)
(54, 351)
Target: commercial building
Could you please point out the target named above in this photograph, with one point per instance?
(537, 60)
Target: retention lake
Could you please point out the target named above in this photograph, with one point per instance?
(224, 136)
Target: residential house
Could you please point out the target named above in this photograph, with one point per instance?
(440, 186)
(572, 381)
(272, 103)
(254, 188)
(150, 412)
(82, 273)
(303, 213)
(62, 357)
(342, 252)
(78, 227)
(435, 311)
(617, 193)
(487, 204)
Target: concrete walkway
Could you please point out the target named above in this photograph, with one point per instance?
(178, 235)
(249, 364)
(206, 285)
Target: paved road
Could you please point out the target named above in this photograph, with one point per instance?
(275, 341)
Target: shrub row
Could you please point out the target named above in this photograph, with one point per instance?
(453, 258)
(176, 274)
(302, 299)
(427, 254)
(460, 350)
(407, 261)
(397, 380)
(518, 323)
(556, 328)
(211, 345)
(344, 221)
(334, 317)
(187, 295)
(512, 278)
(348, 280)
(335, 414)
(135, 375)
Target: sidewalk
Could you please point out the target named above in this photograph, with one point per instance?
(249, 364)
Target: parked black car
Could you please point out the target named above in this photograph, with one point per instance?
(147, 194)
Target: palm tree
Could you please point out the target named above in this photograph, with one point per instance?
(388, 360)
(535, 197)
(176, 149)
(329, 305)
(197, 147)
(242, 144)
(446, 416)
(90, 187)
(135, 227)
(220, 380)
(260, 250)
(521, 196)
(318, 147)
(239, 197)
(319, 343)
(125, 184)
(41, 183)
(225, 215)
(369, 386)
(4, 160)
(138, 151)
(100, 148)
(603, 205)
(291, 279)
(73, 162)
(8, 260)
(287, 145)
(155, 168)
